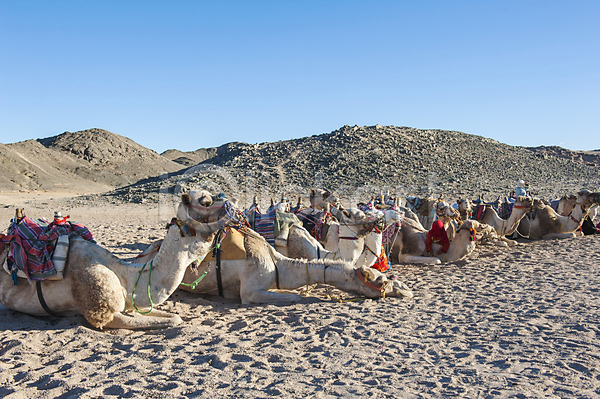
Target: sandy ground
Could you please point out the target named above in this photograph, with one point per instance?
(519, 322)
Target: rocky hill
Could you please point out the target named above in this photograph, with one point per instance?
(89, 160)
(356, 162)
(190, 158)
(591, 158)
(359, 161)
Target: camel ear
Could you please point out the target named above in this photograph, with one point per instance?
(347, 214)
(312, 192)
(368, 274)
(186, 199)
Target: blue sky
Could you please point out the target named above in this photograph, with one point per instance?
(196, 74)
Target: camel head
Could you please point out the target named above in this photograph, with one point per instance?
(319, 197)
(464, 205)
(376, 284)
(587, 198)
(197, 197)
(199, 205)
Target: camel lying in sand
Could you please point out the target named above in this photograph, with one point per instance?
(409, 247)
(545, 223)
(352, 238)
(505, 227)
(105, 289)
(263, 269)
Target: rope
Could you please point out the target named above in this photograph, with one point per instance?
(194, 284)
(135, 286)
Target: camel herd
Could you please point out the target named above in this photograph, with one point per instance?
(210, 248)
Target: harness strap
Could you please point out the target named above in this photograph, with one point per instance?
(578, 223)
(348, 238)
(367, 283)
(38, 288)
(276, 275)
(217, 250)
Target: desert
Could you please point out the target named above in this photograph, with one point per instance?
(504, 322)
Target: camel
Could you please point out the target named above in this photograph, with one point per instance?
(465, 208)
(506, 227)
(354, 236)
(545, 223)
(251, 279)
(101, 287)
(410, 244)
(318, 198)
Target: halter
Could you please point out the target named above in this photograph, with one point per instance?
(584, 214)
(380, 289)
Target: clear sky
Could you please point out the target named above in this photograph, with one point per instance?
(194, 74)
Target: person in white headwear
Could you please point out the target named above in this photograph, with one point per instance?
(521, 190)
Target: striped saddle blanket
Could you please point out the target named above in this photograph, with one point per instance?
(32, 244)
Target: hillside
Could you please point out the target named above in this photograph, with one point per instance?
(92, 160)
(359, 161)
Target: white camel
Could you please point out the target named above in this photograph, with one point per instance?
(263, 269)
(106, 290)
(252, 278)
(410, 246)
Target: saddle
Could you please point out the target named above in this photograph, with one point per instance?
(232, 247)
(314, 221)
(37, 249)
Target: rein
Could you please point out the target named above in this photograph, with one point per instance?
(151, 262)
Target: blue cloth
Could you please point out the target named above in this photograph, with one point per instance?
(520, 192)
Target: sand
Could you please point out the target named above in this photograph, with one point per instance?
(518, 322)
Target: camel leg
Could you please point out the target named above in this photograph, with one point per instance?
(266, 296)
(135, 321)
(509, 241)
(426, 260)
(558, 235)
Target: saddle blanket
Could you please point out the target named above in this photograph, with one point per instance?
(390, 234)
(232, 247)
(32, 244)
(263, 224)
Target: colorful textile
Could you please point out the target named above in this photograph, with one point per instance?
(32, 243)
(283, 221)
(382, 263)
(438, 235)
(263, 224)
(389, 235)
